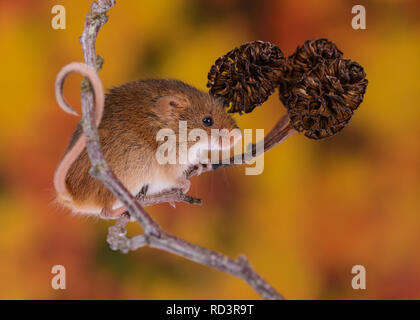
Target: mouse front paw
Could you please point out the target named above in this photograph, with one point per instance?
(183, 184)
(200, 168)
(206, 167)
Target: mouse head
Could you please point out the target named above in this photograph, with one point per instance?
(208, 125)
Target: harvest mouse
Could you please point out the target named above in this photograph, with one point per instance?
(132, 116)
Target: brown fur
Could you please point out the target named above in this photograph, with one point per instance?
(131, 119)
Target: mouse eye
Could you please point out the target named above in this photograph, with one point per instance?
(208, 121)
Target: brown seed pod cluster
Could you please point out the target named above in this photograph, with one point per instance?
(311, 54)
(318, 87)
(323, 101)
(245, 77)
(306, 57)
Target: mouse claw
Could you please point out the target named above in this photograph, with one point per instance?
(206, 167)
(143, 192)
(199, 169)
(105, 214)
(172, 204)
(183, 184)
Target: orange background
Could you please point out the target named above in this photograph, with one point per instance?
(319, 207)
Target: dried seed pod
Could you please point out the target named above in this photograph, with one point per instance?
(323, 100)
(306, 57)
(311, 54)
(246, 76)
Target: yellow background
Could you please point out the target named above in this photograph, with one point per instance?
(319, 207)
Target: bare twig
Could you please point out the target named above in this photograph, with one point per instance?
(240, 267)
(153, 235)
(174, 195)
(280, 132)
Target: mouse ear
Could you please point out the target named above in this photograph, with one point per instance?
(168, 106)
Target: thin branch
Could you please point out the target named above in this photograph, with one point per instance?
(240, 267)
(280, 132)
(170, 196)
(153, 235)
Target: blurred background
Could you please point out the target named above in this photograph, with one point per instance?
(318, 209)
